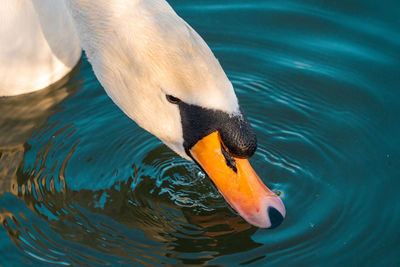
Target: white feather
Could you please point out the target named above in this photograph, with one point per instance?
(38, 45)
(140, 51)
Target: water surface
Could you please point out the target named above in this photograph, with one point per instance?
(81, 184)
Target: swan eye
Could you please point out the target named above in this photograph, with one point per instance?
(173, 99)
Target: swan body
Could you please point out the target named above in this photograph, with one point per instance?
(156, 69)
(32, 56)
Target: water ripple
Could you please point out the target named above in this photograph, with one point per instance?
(83, 185)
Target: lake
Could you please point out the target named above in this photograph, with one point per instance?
(82, 184)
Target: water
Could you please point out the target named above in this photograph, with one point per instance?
(81, 184)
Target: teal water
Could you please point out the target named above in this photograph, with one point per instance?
(81, 184)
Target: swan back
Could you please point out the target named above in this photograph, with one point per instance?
(38, 45)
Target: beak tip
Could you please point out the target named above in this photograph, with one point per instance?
(275, 217)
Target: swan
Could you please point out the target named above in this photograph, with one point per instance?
(156, 69)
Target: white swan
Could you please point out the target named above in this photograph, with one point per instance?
(156, 68)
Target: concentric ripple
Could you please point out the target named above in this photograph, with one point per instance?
(81, 184)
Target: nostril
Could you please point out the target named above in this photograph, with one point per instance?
(275, 217)
(230, 161)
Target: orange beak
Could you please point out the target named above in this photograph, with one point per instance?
(240, 185)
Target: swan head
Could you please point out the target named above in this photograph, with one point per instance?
(162, 74)
(193, 109)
